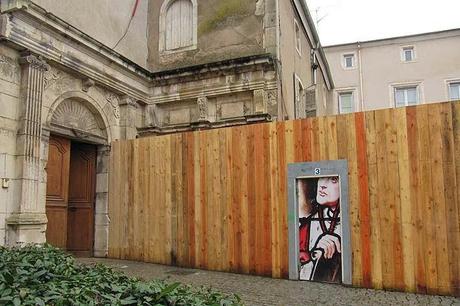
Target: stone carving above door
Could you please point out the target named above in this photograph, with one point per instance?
(76, 116)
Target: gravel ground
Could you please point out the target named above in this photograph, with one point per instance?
(256, 290)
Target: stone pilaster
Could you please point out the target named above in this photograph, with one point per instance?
(28, 221)
(128, 108)
(102, 221)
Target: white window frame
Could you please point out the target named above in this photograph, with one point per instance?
(162, 33)
(297, 37)
(417, 85)
(353, 60)
(403, 53)
(449, 83)
(343, 91)
(299, 93)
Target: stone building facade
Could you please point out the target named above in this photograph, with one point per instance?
(73, 71)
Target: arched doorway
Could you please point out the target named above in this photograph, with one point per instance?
(78, 136)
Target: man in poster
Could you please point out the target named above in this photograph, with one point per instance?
(320, 229)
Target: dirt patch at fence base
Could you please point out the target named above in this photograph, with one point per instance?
(256, 290)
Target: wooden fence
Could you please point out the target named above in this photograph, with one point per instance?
(217, 199)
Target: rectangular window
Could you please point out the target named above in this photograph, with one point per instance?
(349, 60)
(406, 96)
(454, 91)
(408, 54)
(297, 37)
(346, 102)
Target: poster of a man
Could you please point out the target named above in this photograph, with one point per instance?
(320, 229)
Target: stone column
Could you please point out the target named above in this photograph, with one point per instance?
(27, 224)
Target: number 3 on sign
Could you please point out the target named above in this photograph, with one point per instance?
(317, 171)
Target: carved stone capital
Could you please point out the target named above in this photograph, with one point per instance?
(33, 61)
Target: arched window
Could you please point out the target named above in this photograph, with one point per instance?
(178, 23)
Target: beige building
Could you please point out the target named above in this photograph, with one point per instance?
(78, 75)
(395, 72)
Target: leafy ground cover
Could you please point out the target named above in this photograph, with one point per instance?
(47, 276)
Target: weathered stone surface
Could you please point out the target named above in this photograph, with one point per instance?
(102, 203)
(102, 182)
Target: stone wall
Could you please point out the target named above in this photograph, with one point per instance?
(225, 30)
(10, 77)
(106, 21)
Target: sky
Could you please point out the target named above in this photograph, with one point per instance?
(342, 21)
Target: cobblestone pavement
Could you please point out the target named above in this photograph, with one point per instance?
(266, 291)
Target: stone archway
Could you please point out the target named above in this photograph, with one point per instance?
(81, 120)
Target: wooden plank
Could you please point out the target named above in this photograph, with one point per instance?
(416, 199)
(394, 203)
(331, 138)
(363, 190)
(284, 215)
(438, 200)
(259, 190)
(274, 200)
(306, 140)
(451, 200)
(353, 197)
(252, 210)
(383, 201)
(189, 198)
(267, 216)
(244, 199)
(425, 205)
(224, 224)
(456, 137)
(230, 207)
(407, 220)
(372, 161)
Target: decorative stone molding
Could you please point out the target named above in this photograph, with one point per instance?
(12, 5)
(58, 80)
(129, 101)
(9, 68)
(202, 108)
(74, 115)
(87, 84)
(260, 101)
(151, 117)
(114, 102)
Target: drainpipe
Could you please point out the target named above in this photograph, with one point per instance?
(361, 90)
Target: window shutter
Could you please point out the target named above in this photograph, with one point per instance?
(179, 25)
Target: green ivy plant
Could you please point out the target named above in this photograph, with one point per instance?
(44, 275)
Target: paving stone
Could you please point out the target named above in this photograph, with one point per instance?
(257, 291)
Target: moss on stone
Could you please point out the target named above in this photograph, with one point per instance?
(225, 10)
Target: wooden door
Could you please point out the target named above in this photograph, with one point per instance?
(57, 191)
(80, 229)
